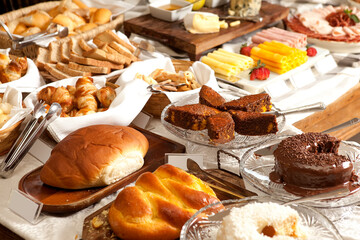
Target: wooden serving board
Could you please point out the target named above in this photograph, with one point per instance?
(175, 35)
(58, 200)
(104, 231)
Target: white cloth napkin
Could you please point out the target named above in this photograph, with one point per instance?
(14, 97)
(125, 107)
(203, 74)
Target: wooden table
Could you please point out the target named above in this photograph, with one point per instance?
(343, 109)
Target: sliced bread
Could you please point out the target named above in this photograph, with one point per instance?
(54, 54)
(83, 44)
(72, 72)
(51, 68)
(109, 36)
(123, 50)
(75, 47)
(92, 69)
(100, 54)
(93, 62)
(42, 58)
(65, 52)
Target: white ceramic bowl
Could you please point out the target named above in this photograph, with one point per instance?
(167, 15)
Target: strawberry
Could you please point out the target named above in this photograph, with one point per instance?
(245, 50)
(310, 51)
(259, 72)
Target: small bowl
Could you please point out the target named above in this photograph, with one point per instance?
(157, 11)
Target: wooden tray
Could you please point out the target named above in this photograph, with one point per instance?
(58, 200)
(175, 35)
(105, 232)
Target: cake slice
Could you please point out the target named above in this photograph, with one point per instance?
(254, 123)
(210, 97)
(193, 116)
(221, 128)
(251, 103)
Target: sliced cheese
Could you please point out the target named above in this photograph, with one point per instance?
(202, 22)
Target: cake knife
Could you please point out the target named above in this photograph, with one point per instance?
(312, 107)
(194, 167)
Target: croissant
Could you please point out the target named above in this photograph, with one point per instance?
(105, 95)
(46, 93)
(87, 101)
(159, 204)
(63, 97)
(11, 72)
(4, 60)
(84, 111)
(22, 61)
(85, 86)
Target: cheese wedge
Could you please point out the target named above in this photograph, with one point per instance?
(202, 22)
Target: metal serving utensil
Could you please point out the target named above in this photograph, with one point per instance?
(255, 19)
(194, 167)
(340, 192)
(18, 44)
(342, 125)
(28, 137)
(312, 107)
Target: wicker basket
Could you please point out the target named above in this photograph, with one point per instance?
(31, 51)
(157, 102)
(8, 137)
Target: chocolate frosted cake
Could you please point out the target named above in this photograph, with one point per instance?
(311, 160)
(193, 116)
(221, 128)
(251, 103)
(254, 123)
(210, 97)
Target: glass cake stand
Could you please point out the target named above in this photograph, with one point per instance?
(258, 162)
(314, 224)
(202, 138)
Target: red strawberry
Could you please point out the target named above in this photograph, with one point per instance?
(311, 52)
(259, 72)
(245, 50)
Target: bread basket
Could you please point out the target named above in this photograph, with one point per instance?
(31, 51)
(157, 102)
(8, 137)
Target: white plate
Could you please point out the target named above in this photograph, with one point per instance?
(354, 4)
(338, 47)
(257, 86)
(202, 138)
(258, 162)
(316, 225)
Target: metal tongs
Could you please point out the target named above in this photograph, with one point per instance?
(28, 136)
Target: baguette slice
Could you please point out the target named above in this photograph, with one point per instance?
(123, 50)
(109, 36)
(55, 52)
(65, 52)
(93, 62)
(83, 44)
(42, 58)
(51, 68)
(92, 69)
(72, 72)
(104, 56)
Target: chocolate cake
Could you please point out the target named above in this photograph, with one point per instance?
(251, 103)
(311, 160)
(221, 127)
(193, 116)
(254, 123)
(210, 97)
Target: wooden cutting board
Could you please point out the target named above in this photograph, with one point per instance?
(58, 200)
(174, 34)
(104, 231)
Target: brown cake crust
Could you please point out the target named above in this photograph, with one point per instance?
(252, 103)
(254, 123)
(210, 97)
(192, 116)
(311, 160)
(221, 127)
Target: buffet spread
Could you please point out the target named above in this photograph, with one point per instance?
(87, 153)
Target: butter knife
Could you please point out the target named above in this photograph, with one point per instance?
(194, 167)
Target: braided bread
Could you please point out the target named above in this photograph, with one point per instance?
(159, 204)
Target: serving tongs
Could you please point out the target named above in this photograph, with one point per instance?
(307, 108)
(29, 135)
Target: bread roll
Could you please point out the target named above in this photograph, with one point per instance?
(86, 27)
(95, 156)
(101, 16)
(37, 18)
(64, 21)
(159, 204)
(20, 28)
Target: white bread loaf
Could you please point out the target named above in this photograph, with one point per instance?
(95, 156)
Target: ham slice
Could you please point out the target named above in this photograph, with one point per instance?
(338, 32)
(292, 39)
(349, 32)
